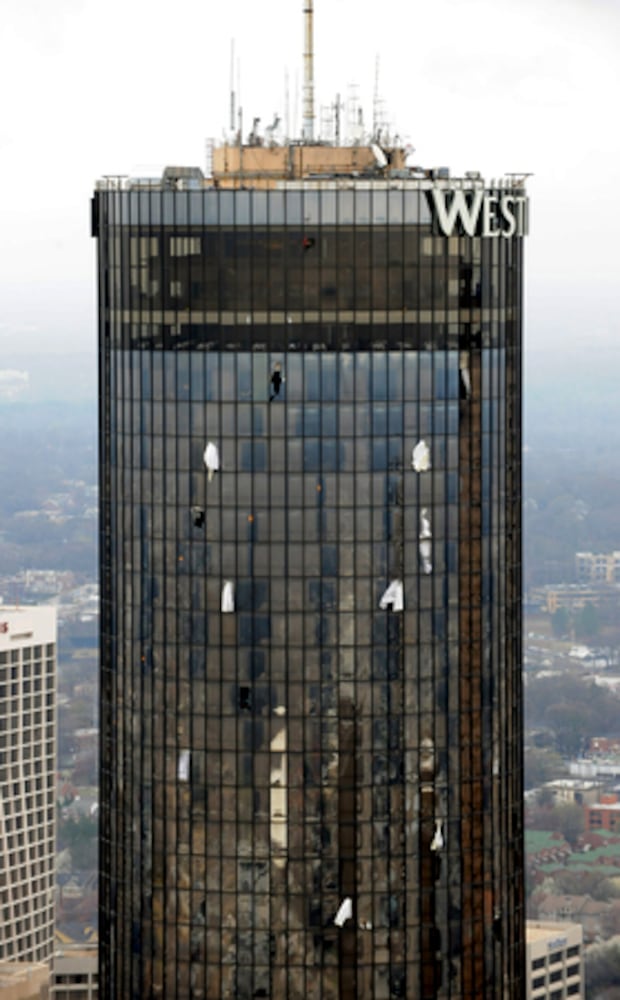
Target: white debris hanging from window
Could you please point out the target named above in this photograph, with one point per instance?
(421, 457)
(211, 459)
(228, 597)
(465, 376)
(183, 765)
(437, 842)
(393, 597)
(345, 912)
(425, 541)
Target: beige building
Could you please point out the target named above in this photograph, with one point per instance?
(554, 961)
(75, 975)
(24, 980)
(597, 567)
(572, 596)
(27, 782)
(575, 791)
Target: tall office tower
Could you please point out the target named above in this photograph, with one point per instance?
(27, 782)
(310, 562)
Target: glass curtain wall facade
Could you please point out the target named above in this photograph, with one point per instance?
(310, 560)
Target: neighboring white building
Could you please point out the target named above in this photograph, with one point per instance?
(75, 974)
(554, 961)
(568, 791)
(27, 782)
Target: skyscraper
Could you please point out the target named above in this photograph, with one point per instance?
(310, 560)
(27, 782)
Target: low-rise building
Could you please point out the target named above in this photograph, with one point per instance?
(604, 814)
(592, 915)
(554, 961)
(24, 980)
(573, 596)
(604, 745)
(75, 974)
(600, 567)
(568, 791)
(545, 846)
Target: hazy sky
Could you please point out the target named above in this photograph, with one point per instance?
(92, 88)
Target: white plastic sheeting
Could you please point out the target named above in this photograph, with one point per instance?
(228, 597)
(425, 545)
(393, 597)
(183, 765)
(345, 912)
(465, 376)
(437, 842)
(211, 459)
(425, 524)
(421, 457)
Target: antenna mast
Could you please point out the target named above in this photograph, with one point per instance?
(232, 86)
(308, 114)
(375, 103)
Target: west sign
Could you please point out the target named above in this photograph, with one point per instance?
(480, 213)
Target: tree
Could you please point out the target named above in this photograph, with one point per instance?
(560, 622)
(80, 836)
(540, 766)
(570, 822)
(587, 622)
(602, 970)
(571, 723)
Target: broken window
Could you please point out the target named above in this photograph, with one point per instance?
(198, 516)
(276, 382)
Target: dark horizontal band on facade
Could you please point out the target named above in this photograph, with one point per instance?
(176, 334)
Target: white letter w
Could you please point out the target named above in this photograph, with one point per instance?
(459, 208)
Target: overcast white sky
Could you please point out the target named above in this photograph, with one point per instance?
(93, 87)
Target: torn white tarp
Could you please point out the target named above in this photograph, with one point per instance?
(211, 459)
(425, 541)
(465, 376)
(426, 556)
(228, 597)
(421, 457)
(425, 524)
(393, 597)
(183, 765)
(437, 842)
(345, 912)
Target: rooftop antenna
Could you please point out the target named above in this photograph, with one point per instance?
(232, 86)
(337, 109)
(287, 117)
(308, 113)
(375, 102)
